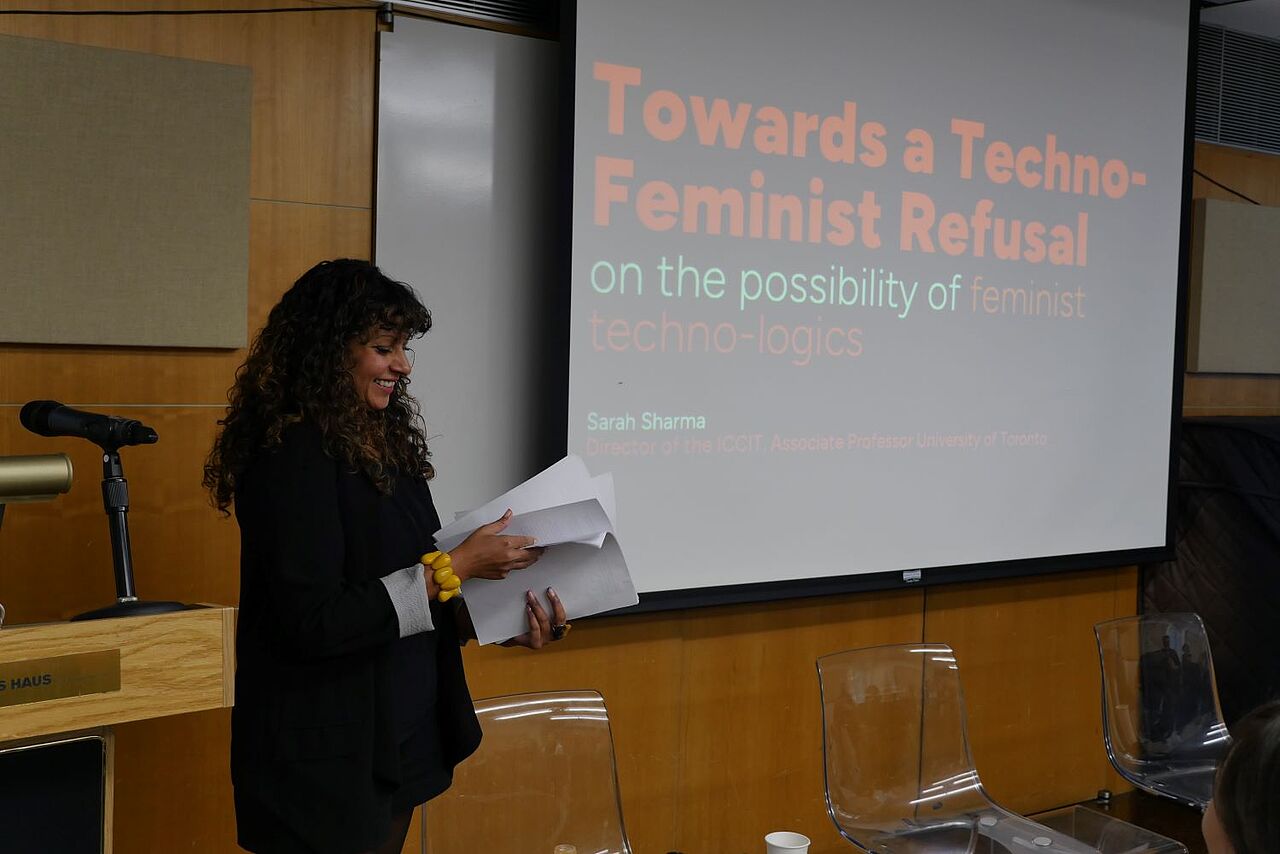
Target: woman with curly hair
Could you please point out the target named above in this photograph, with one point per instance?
(1244, 815)
(351, 703)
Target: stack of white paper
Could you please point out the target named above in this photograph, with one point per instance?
(571, 514)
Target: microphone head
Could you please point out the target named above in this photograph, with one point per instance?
(141, 434)
(35, 416)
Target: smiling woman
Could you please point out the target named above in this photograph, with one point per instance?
(351, 703)
(301, 368)
(382, 363)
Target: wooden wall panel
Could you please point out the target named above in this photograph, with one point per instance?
(1253, 173)
(751, 756)
(1031, 679)
(173, 785)
(287, 239)
(1220, 394)
(635, 664)
(715, 712)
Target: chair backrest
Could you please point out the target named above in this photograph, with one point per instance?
(895, 750)
(1163, 727)
(544, 775)
(900, 777)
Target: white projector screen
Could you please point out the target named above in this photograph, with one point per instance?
(865, 289)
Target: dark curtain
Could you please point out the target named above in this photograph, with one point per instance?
(1227, 561)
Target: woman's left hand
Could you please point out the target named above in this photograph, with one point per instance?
(540, 625)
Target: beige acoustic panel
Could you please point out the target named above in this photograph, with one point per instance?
(1234, 306)
(284, 241)
(1256, 175)
(126, 197)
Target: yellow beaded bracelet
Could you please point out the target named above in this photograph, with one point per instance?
(441, 566)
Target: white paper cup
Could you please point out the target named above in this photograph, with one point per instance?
(786, 842)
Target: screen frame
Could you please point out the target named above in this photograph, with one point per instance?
(799, 588)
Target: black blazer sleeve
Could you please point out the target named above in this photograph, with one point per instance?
(290, 508)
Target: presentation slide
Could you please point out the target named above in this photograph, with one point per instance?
(876, 287)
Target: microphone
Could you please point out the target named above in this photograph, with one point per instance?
(50, 418)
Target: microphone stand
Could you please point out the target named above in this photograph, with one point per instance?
(115, 500)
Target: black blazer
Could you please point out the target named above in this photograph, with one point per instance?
(313, 744)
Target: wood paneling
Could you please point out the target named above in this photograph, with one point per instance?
(715, 712)
(1252, 173)
(1031, 679)
(288, 239)
(173, 785)
(635, 664)
(751, 757)
(1219, 394)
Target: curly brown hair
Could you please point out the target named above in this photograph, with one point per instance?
(299, 369)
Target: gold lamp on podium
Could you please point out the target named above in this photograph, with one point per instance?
(40, 477)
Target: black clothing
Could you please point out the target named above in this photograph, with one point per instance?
(407, 518)
(322, 720)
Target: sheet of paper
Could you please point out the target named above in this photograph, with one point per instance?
(565, 482)
(589, 580)
(581, 521)
(603, 486)
(572, 514)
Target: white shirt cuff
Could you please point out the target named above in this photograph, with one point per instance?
(408, 591)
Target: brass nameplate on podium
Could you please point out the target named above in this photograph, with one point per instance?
(39, 679)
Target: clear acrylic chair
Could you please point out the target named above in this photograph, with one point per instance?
(899, 774)
(1163, 726)
(544, 776)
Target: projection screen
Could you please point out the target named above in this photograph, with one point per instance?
(877, 289)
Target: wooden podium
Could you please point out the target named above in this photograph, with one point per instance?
(63, 680)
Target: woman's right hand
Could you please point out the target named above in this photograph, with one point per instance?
(488, 553)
